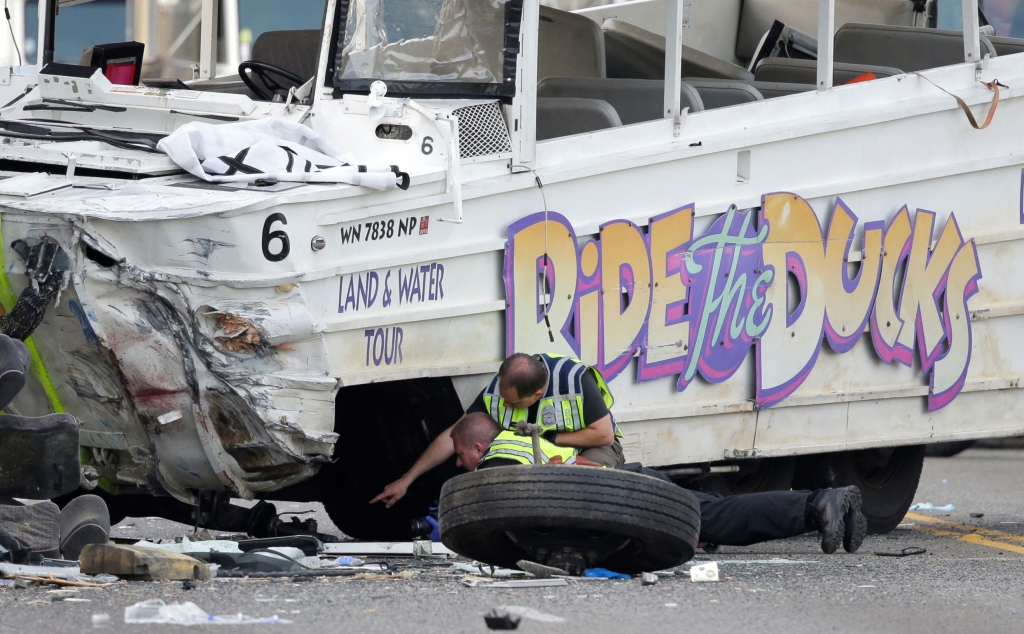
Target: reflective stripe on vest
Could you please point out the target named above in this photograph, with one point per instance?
(561, 406)
(509, 446)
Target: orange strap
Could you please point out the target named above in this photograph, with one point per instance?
(991, 85)
(861, 78)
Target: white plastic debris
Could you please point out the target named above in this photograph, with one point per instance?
(705, 572)
(530, 613)
(648, 579)
(928, 506)
(156, 612)
(187, 546)
(470, 582)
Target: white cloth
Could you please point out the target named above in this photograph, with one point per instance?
(271, 149)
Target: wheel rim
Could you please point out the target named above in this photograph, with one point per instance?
(568, 548)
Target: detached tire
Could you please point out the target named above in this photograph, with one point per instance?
(626, 522)
(887, 478)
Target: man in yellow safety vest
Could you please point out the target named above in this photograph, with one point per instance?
(569, 399)
(737, 520)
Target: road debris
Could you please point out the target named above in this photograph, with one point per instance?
(100, 620)
(604, 573)
(977, 516)
(424, 549)
(139, 563)
(928, 506)
(648, 578)
(906, 552)
(501, 620)
(484, 570)
(705, 572)
(156, 612)
(540, 571)
(474, 582)
(530, 613)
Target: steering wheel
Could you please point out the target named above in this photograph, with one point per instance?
(265, 72)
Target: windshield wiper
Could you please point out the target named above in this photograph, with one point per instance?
(70, 106)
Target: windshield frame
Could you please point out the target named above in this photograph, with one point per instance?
(504, 90)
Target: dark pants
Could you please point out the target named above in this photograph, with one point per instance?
(741, 520)
(749, 518)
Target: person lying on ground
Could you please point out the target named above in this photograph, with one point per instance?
(569, 399)
(738, 520)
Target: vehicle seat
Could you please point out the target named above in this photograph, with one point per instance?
(634, 100)
(569, 45)
(906, 47)
(757, 16)
(805, 71)
(635, 53)
(1006, 45)
(557, 116)
(773, 89)
(722, 93)
(297, 51)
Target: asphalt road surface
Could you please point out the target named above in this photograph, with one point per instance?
(970, 580)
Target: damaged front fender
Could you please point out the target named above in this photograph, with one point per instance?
(179, 389)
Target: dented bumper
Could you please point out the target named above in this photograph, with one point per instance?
(180, 387)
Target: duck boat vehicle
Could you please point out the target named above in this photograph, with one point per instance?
(775, 226)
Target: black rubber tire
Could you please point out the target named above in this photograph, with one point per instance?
(476, 510)
(887, 478)
(947, 449)
(754, 476)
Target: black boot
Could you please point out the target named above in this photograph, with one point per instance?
(829, 511)
(856, 523)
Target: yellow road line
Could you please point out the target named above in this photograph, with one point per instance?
(970, 538)
(988, 532)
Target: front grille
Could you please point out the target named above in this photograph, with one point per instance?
(482, 130)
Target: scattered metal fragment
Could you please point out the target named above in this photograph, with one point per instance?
(383, 549)
(540, 571)
(473, 582)
(977, 515)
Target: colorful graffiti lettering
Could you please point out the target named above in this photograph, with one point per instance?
(688, 305)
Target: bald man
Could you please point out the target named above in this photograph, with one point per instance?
(569, 399)
(737, 520)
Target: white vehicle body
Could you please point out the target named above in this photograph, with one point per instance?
(886, 178)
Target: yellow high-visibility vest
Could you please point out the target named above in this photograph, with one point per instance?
(561, 406)
(520, 448)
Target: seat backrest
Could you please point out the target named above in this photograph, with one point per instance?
(297, 51)
(635, 53)
(756, 17)
(906, 47)
(1006, 45)
(564, 116)
(721, 93)
(773, 89)
(634, 100)
(805, 71)
(569, 45)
